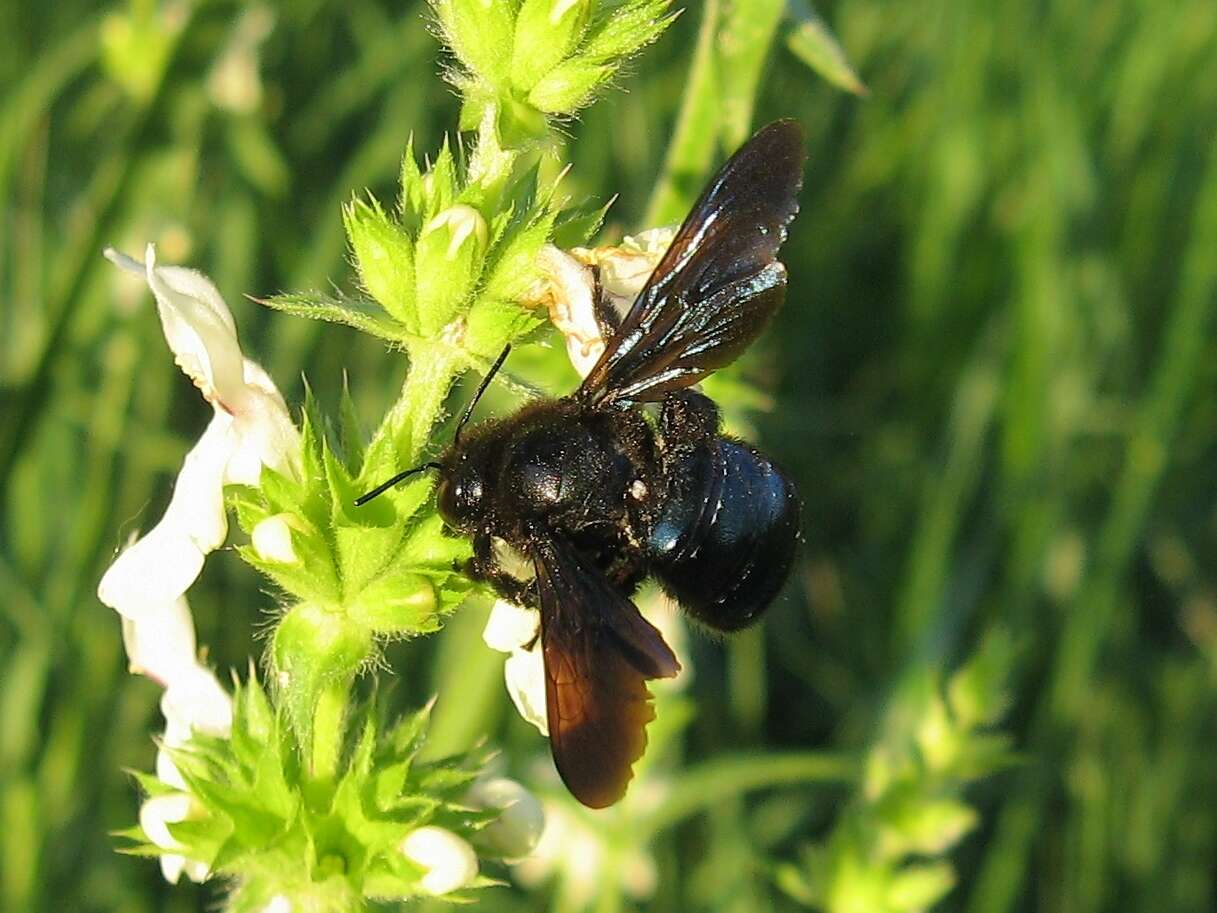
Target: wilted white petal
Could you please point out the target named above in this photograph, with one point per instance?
(272, 539)
(524, 671)
(449, 861)
(197, 700)
(161, 644)
(514, 834)
(510, 627)
(569, 294)
(251, 428)
(198, 327)
(160, 567)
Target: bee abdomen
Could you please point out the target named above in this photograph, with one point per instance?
(724, 540)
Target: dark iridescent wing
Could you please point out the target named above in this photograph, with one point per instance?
(719, 282)
(599, 652)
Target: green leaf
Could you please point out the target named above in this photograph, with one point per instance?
(354, 312)
(691, 151)
(396, 602)
(812, 41)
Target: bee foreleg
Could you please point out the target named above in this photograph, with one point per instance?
(484, 567)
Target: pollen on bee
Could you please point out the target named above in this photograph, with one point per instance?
(638, 489)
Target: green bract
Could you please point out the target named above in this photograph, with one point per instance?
(330, 844)
(359, 576)
(885, 853)
(537, 59)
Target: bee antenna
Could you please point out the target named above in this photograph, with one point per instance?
(385, 486)
(494, 369)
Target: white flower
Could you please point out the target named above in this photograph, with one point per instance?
(511, 629)
(568, 291)
(251, 428)
(161, 645)
(449, 861)
(624, 269)
(568, 288)
(581, 849)
(516, 631)
(154, 817)
(514, 834)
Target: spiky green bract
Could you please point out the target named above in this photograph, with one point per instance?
(534, 60)
(357, 576)
(443, 272)
(886, 853)
(324, 845)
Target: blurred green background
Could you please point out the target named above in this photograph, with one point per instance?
(995, 380)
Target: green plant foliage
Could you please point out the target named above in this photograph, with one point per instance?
(993, 380)
(326, 846)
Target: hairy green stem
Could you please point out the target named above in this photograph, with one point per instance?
(433, 368)
(328, 730)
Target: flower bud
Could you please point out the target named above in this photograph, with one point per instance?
(384, 256)
(546, 32)
(272, 539)
(449, 861)
(517, 830)
(450, 251)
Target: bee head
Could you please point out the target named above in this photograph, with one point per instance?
(462, 493)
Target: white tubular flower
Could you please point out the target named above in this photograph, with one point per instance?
(511, 629)
(251, 428)
(576, 851)
(450, 862)
(155, 815)
(624, 269)
(515, 833)
(568, 289)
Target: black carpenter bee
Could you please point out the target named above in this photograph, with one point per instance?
(598, 495)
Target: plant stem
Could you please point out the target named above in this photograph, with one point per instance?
(328, 730)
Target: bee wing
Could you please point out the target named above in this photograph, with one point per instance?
(599, 652)
(719, 282)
